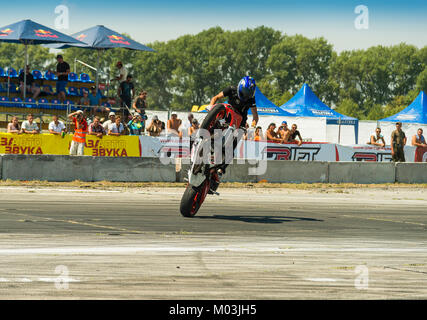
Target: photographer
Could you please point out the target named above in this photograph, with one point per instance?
(79, 137)
(155, 127)
(137, 125)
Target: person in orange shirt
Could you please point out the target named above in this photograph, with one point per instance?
(258, 134)
(79, 137)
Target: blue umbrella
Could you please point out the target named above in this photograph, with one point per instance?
(28, 32)
(101, 38)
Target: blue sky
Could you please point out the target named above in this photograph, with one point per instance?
(390, 22)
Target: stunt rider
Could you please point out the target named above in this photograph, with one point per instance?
(241, 98)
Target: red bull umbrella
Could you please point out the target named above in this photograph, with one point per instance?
(28, 32)
(101, 38)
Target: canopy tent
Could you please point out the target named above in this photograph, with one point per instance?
(306, 104)
(266, 107)
(412, 117)
(28, 32)
(101, 38)
(416, 112)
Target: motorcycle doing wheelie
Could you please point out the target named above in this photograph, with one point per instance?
(219, 130)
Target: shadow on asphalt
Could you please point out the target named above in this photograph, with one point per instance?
(258, 219)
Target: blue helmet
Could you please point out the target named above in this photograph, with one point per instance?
(246, 88)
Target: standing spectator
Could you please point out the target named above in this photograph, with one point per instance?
(95, 128)
(85, 102)
(94, 97)
(126, 93)
(155, 127)
(80, 131)
(140, 103)
(56, 126)
(62, 71)
(123, 73)
(173, 125)
(377, 139)
(398, 142)
(29, 126)
(95, 101)
(271, 134)
(31, 84)
(13, 126)
(418, 139)
(283, 132)
(117, 128)
(137, 125)
(294, 134)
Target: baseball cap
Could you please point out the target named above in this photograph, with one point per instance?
(284, 122)
(80, 111)
(59, 56)
(155, 118)
(111, 114)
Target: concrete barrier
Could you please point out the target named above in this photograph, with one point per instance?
(132, 170)
(295, 172)
(411, 172)
(362, 172)
(68, 168)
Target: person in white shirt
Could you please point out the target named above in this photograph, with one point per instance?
(56, 126)
(123, 72)
(28, 126)
(117, 128)
(108, 123)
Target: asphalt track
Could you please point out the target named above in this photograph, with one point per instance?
(243, 244)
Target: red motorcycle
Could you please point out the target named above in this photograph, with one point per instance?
(221, 122)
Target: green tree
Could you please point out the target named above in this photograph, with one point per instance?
(13, 55)
(297, 60)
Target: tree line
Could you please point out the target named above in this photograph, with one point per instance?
(367, 84)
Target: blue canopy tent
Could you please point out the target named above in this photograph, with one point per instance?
(267, 108)
(306, 104)
(101, 38)
(416, 112)
(28, 32)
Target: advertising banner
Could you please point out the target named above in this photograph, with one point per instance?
(107, 146)
(371, 153)
(174, 147)
(12, 143)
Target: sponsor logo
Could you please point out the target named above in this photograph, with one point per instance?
(406, 117)
(45, 34)
(267, 110)
(291, 153)
(321, 112)
(371, 156)
(118, 39)
(81, 37)
(5, 32)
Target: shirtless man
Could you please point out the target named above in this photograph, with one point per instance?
(283, 132)
(271, 134)
(173, 125)
(377, 139)
(418, 140)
